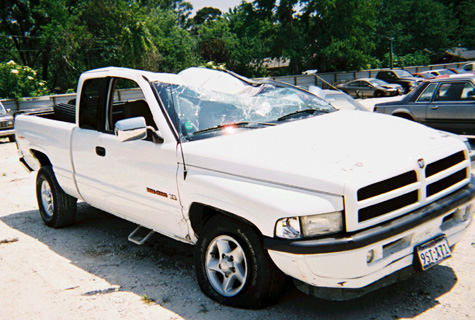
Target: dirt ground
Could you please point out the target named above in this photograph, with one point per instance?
(91, 271)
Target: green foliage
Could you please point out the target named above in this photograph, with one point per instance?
(214, 66)
(173, 47)
(204, 15)
(216, 41)
(63, 38)
(418, 58)
(18, 81)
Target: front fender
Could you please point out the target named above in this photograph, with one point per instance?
(260, 203)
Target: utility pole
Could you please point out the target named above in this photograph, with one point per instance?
(391, 53)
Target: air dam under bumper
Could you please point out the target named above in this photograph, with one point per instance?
(343, 262)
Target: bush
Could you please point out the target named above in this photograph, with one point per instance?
(18, 81)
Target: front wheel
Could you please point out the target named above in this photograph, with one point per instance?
(233, 268)
(57, 209)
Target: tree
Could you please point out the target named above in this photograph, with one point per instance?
(216, 41)
(18, 81)
(465, 12)
(423, 25)
(205, 14)
(343, 33)
(21, 22)
(174, 49)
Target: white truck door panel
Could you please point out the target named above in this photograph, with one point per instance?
(134, 179)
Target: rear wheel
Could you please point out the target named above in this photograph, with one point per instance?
(11, 138)
(233, 268)
(57, 209)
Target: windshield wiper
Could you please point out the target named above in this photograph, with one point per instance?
(234, 125)
(293, 114)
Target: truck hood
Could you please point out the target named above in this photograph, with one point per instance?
(323, 153)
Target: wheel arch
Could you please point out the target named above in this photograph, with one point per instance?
(42, 158)
(403, 114)
(200, 213)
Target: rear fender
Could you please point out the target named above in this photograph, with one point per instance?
(403, 113)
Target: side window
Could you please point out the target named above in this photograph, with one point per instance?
(128, 102)
(450, 91)
(93, 103)
(426, 95)
(355, 84)
(468, 92)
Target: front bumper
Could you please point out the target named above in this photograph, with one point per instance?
(7, 133)
(342, 262)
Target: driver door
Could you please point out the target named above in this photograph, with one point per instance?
(134, 179)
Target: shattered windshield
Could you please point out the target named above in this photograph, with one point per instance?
(210, 104)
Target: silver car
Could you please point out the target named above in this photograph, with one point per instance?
(443, 103)
(370, 87)
(6, 124)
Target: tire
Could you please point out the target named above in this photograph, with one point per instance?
(57, 209)
(378, 94)
(233, 268)
(11, 138)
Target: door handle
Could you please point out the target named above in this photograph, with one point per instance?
(434, 107)
(101, 151)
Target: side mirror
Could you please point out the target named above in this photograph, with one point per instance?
(135, 129)
(131, 129)
(8, 110)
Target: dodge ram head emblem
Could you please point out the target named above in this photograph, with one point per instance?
(421, 163)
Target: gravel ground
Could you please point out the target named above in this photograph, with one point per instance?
(91, 271)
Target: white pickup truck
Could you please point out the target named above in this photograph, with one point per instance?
(268, 181)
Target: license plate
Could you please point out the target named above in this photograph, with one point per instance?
(433, 252)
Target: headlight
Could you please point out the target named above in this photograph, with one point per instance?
(309, 226)
(10, 123)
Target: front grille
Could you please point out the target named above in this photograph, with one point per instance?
(445, 163)
(446, 183)
(4, 124)
(387, 206)
(389, 190)
(387, 185)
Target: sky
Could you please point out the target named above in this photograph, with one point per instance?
(222, 5)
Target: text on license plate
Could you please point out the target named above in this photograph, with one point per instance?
(433, 252)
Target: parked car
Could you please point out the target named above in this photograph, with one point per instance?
(342, 101)
(6, 124)
(442, 103)
(402, 77)
(457, 70)
(435, 73)
(370, 87)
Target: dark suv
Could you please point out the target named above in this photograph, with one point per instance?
(402, 77)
